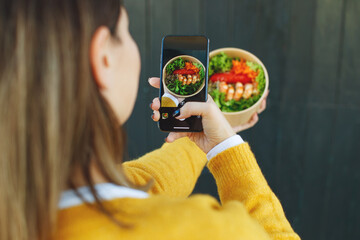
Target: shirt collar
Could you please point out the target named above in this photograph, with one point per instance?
(105, 191)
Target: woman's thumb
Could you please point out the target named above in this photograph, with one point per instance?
(193, 109)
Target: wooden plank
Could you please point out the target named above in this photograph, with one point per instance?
(289, 167)
(293, 117)
(342, 192)
(340, 196)
(270, 20)
(326, 52)
(352, 214)
(137, 124)
(299, 64)
(261, 27)
(187, 17)
(316, 147)
(263, 141)
(161, 23)
(216, 23)
(245, 24)
(270, 43)
(350, 70)
(322, 90)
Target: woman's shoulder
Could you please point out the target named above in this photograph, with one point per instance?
(160, 217)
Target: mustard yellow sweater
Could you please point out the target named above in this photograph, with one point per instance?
(248, 208)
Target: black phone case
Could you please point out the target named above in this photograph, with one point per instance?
(172, 124)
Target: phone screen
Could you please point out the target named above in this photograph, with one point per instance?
(184, 78)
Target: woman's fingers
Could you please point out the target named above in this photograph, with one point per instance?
(155, 105)
(175, 135)
(155, 116)
(193, 109)
(154, 82)
(253, 120)
(210, 99)
(262, 106)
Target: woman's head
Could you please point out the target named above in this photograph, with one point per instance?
(68, 79)
(115, 62)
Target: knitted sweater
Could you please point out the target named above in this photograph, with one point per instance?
(248, 208)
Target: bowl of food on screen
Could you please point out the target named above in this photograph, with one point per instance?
(238, 81)
(184, 76)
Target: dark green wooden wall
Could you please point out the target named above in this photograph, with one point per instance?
(308, 140)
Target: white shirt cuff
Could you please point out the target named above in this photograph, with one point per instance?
(227, 143)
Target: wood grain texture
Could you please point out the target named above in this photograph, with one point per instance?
(161, 24)
(326, 52)
(137, 125)
(350, 60)
(307, 142)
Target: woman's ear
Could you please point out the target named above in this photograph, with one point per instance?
(99, 57)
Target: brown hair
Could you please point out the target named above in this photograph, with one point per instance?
(53, 118)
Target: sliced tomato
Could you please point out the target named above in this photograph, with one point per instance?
(184, 71)
(230, 78)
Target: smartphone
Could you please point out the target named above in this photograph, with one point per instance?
(184, 65)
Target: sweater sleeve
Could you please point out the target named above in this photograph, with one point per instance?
(174, 168)
(238, 177)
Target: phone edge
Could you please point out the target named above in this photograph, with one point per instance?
(206, 74)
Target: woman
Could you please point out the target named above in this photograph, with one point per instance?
(69, 74)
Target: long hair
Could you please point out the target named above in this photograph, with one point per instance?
(53, 118)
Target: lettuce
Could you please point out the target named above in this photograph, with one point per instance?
(178, 63)
(220, 63)
(178, 87)
(232, 105)
(201, 72)
(242, 104)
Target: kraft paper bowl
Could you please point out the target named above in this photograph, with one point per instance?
(242, 117)
(188, 58)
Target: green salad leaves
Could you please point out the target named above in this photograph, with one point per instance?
(222, 63)
(201, 72)
(232, 105)
(176, 64)
(178, 87)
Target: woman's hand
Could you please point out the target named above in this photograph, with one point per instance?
(254, 118)
(216, 127)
